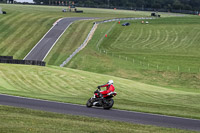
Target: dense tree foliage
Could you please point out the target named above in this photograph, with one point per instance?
(132, 4)
(129, 4)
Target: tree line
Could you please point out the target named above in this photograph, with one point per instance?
(131, 4)
(193, 5)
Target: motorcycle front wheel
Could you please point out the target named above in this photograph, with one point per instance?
(109, 103)
(89, 103)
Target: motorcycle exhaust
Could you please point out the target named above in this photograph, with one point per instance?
(96, 104)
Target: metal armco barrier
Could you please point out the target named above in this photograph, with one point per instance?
(10, 60)
(81, 46)
(118, 19)
(6, 57)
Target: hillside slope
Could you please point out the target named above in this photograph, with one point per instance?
(164, 52)
(75, 86)
(24, 25)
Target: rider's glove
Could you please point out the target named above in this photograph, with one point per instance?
(98, 87)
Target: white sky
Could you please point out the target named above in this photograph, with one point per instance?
(29, 1)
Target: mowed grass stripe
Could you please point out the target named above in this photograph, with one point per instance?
(34, 36)
(138, 38)
(14, 40)
(28, 81)
(174, 41)
(157, 38)
(9, 19)
(5, 18)
(21, 38)
(165, 39)
(6, 82)
(26, 32)
(12, 83)
(14, 23)
(20, 81)
(56, 85)
(10, 34)
(195, 39)
(37, 85)
(44, 80)
(7, 27)
(68, 84)
(23, 84)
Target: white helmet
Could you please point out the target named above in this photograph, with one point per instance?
(110, 82)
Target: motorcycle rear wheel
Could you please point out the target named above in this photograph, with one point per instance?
(89, 103)
(109, 104)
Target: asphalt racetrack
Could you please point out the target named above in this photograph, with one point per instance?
(44, 46)
(117, 115)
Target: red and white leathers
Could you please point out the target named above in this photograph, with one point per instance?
(110, 88)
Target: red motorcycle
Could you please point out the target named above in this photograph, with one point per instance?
(100, 100)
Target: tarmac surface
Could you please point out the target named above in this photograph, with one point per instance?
(43, 47)
(113, 114)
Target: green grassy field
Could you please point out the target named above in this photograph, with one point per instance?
(18, 120)
(35, 21)
(155, 67)
(24, 25)
(167, 42)
(75, 86)
(164, 52)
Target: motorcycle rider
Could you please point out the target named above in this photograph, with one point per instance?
(110, 88)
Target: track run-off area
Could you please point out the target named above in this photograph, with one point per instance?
(117, 115)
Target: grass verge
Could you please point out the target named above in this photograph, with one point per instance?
(20, 120)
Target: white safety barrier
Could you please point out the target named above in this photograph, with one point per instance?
(82, 45)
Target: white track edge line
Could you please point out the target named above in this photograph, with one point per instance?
(56, 41)
(21, 97)
(41, 39)
(59, 38)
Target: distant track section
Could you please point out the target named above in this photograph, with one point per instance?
(117, 115)
(44, 46)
